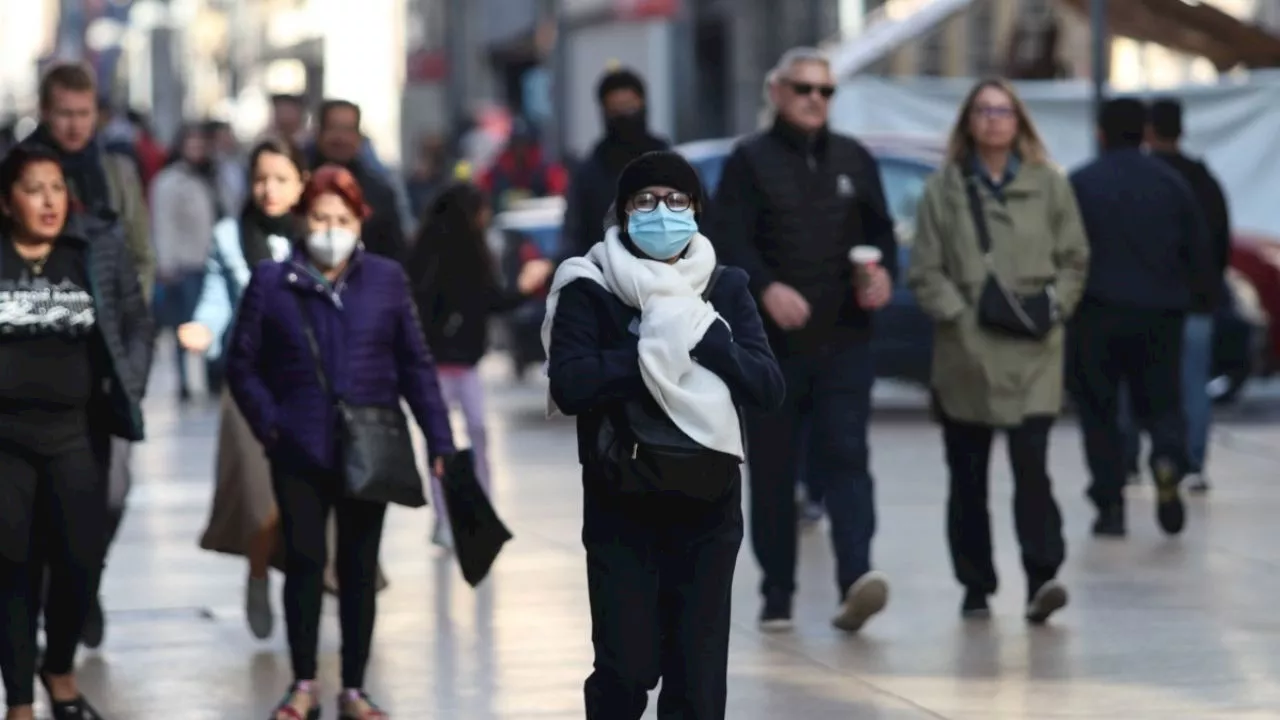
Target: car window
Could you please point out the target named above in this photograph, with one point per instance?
(903, 186)
(710, 169)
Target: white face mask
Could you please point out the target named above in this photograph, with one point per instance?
(330, 248)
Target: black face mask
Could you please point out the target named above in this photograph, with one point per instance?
(627, 127)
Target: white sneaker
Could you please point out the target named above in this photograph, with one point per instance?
(865, 599)
(257, 607)
(1049, 599)
(1196, 483)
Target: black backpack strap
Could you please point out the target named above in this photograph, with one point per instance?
(711, 282)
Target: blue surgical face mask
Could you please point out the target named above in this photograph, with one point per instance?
(663, 233)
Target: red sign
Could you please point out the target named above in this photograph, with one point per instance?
(426, 66)
(645, 9)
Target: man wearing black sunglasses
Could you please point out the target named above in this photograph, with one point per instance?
(793, 202)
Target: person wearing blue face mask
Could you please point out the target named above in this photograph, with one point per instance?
(654, 347)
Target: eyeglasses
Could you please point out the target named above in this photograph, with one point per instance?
(648, 202)
(802, 88)
(994, 112)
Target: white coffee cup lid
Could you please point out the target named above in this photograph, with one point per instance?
(865, 255)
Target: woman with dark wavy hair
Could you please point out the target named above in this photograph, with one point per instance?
(75, 347)
(370, 347)
(457, 288)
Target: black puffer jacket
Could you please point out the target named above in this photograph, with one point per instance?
(789, 208)
(124, 324)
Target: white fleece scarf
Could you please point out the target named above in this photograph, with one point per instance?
(673, 320)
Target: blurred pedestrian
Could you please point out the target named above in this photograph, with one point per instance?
(359, 310)
(1164, 134)
(648, 337)
(228, 164)
(288, 119)
(522, 171)
(456, 285)
(184, 210)
(624, 106)
(999, 216)
(1151, 263)
(430, 174)
(793, 202)
(244, 519)
(57, 350)
(339, 142)
(113, 204)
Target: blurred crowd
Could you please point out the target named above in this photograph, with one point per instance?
(692, 334)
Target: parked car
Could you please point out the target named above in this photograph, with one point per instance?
(902, 344)
(1255, 281)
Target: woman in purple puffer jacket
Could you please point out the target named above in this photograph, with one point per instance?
(374, 354)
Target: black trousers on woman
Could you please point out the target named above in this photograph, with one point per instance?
(1036, 515)
(305, 500)
(660, 578)
(51, 516)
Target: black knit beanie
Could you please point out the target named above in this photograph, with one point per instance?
(661, 167)
(620, 79)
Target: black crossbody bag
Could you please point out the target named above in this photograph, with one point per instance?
(643, 453)
(377, 458)
(1000, 310)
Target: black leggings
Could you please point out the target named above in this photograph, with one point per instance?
(305, 502)
(54, 516)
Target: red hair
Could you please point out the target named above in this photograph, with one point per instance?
(339, 181)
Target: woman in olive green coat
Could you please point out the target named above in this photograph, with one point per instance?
(986, 377)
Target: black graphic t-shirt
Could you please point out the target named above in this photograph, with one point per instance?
(47, 322)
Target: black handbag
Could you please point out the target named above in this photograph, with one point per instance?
(642, 452)
(377, 458)
(478, 532)
(1028, 317)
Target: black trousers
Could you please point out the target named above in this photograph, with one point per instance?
(1035, 512)
(822, 428)
(52, 520)
(1114, 347)
(660, 577)
(305, 501)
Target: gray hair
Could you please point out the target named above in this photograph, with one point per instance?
(791, 58)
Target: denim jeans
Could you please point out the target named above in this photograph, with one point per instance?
(829, 400)
(1197, 368)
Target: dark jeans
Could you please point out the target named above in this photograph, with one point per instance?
(305, 501)
(180, 298)
(1117, 347)
(1197, 369)
(1035, 513)
(660, 577)
(56, 524)
(829, 398)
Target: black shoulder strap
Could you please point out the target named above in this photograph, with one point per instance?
(309, 332)
(979, 216)
(711, 282)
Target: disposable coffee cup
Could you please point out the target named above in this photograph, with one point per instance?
(865, 258)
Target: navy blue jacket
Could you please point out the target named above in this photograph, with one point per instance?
(372, 348)
(1149, 245)
(594, 359)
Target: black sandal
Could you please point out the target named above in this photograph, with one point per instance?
(287, 709)
(373, 713)
(78, 709)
